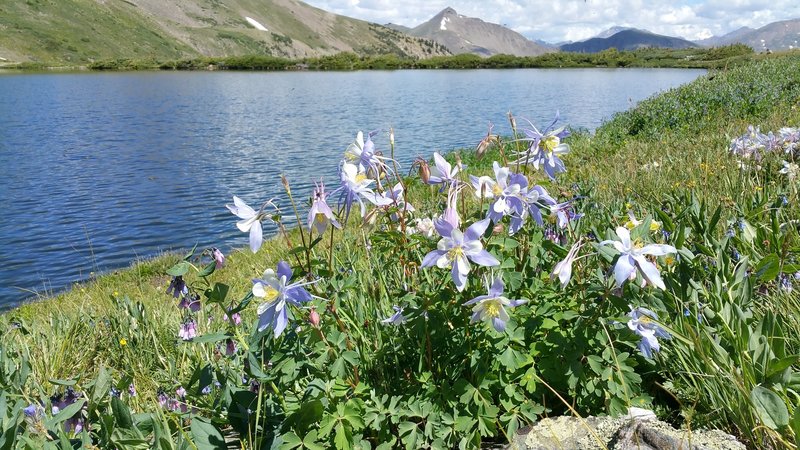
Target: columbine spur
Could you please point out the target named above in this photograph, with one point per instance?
(492, 307)
(544, 148)
(632, 257)
(443, 173)
(456, 249)
(563, 269)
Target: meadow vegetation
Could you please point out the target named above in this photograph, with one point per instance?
(657, 271)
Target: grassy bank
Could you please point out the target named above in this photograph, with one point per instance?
(701, 58)
(433, 378)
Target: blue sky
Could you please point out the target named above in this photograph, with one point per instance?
(562, 20)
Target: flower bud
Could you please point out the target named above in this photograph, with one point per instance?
(314, 318)
(391, 136)
(424, 172)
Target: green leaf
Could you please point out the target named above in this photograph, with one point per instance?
(121, 413)
(796, 424)
(179, 269)
(62, 382)
(66, 413)
(779, 365)
(211, 337)
(206, 435)
(101, 386)
(217, 293)
(208, 269)
(308, 414)
(770, 408)
(342, 437)
(768, 268)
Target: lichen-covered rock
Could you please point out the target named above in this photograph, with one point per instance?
(639, 430)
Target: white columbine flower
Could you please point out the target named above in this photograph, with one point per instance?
(632, 258)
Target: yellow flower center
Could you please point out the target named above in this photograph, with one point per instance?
(669, 260)
(269, 293)
(497, 190)
(320, 218)
(645, 319)
(638, 243)
(630, 225)
(361, 177)
(549, 144)
(454, 253)
(123, 342)
(655, 226)
(491, 308)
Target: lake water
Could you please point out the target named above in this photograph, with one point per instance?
(100, 169)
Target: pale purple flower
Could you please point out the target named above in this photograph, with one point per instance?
(230, 347)
(442, 172)
(355, 188)
(563, 213)
(275, 288)
(790, 169)
(33, 412)
(320, 214)
(177, 287)
(188, 330)
(132, 389)
(632, 258)
(451, 210)
(642, 323)
(563, 269)
(456, 249)
(234, 318)
(206, 390)
(425, 227)
(363, 154)
(162, 398)
(399, 199)
(749, 145)
(192, 302)
(506, 191)
(219, 258)
(544, 148)
(180, 392)
(492, 307)
(397, 318)
(536, 197)
(251, 220)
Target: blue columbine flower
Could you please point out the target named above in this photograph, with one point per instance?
(442, 172)
(506, 191)
(274, 287)
(492, 307)
(642, 323)
(456, 249)
(544, 148)
(563, 269)
(363, 154)
(397, 318)
(632, 258)
(354, 188)
(251, 220)
(320, 214)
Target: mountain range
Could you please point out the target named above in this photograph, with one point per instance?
(82, 31)
(461, 34)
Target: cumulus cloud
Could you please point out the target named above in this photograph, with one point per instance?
(581, 19)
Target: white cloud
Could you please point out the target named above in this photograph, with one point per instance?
(556, 21)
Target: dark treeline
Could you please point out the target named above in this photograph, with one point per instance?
(650, 57)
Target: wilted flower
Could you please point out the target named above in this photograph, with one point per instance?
(443, 173)
(177, 287)
(425, 227)
(642, 324)
(544, 148)
(251, 220)
(456, 249)
(397, 318)
(486, 142)
(219, 258)
(563, 269)
(632, 257)
(355, 188)
(275, 288)
(320, 213)
(563, 213)
(230, 347)
(188, 330)
(314, 318)
(492, 307)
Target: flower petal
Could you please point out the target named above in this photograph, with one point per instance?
(484, 258)
(623, 269)
(256, 237)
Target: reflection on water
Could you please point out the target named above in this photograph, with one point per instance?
(100, 169)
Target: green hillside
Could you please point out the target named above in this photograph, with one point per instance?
(82, 31)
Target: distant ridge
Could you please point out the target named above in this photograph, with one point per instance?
(461, 34)
(782, 35)
(625, 40)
